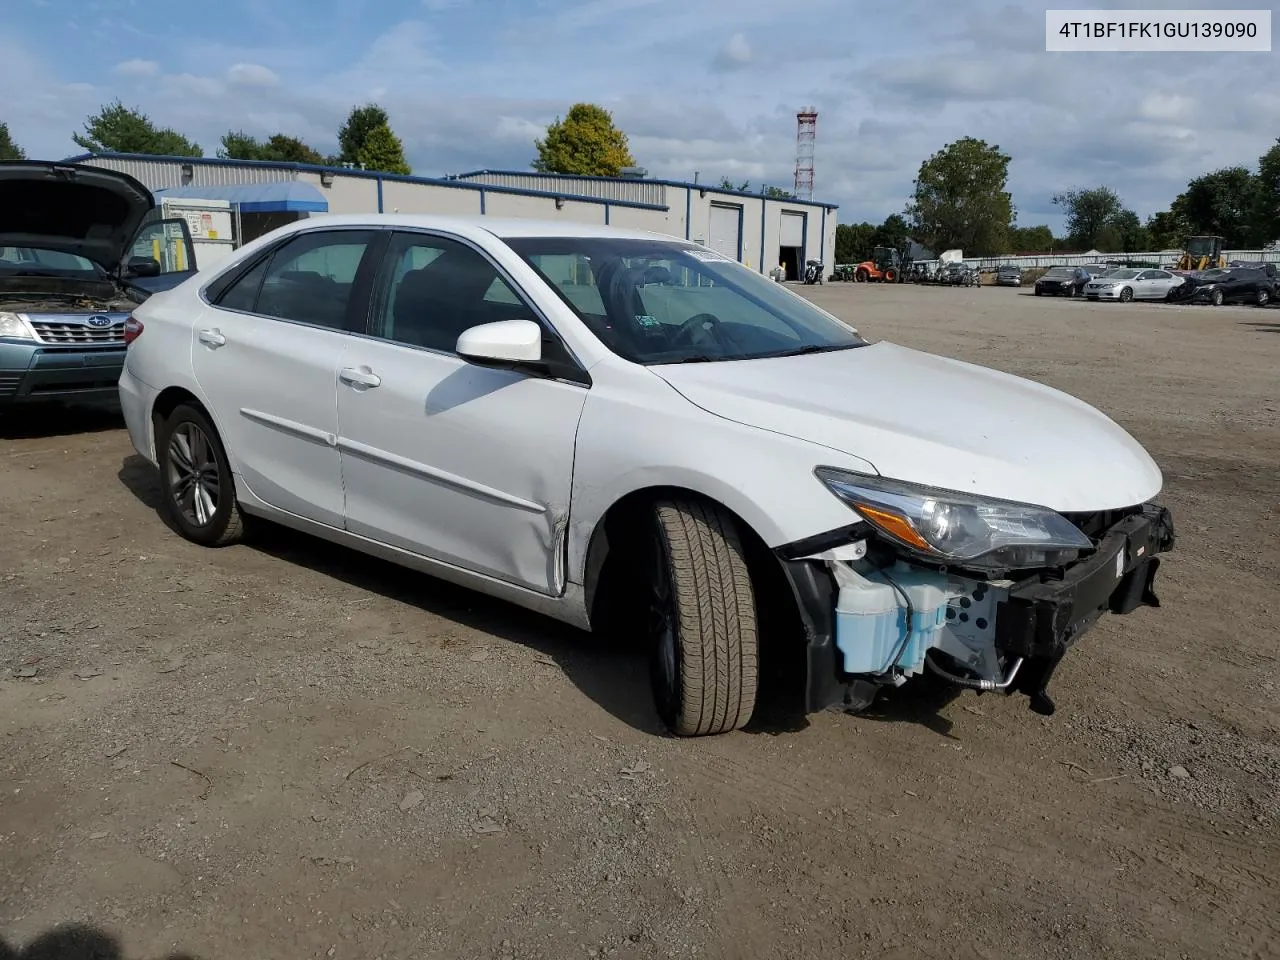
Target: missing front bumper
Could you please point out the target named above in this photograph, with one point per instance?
(1040, 620)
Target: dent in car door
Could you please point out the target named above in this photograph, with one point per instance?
(466, 464)
(266, 356)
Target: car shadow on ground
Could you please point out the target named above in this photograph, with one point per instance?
(613, 674)
(612, 671)
(1262, 326)
(72, 942)
(31, 422)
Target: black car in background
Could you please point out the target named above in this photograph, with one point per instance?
(1062, 281)
(1255, 283)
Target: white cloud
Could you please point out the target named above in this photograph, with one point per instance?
(734, 55)
(710, 87)
(137, 68)
(251, 75)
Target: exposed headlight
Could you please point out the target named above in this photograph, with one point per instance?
(957, 528)
(11, 326)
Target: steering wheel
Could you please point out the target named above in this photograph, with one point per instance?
(699, 323)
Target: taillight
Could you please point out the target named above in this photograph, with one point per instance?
(132, 330)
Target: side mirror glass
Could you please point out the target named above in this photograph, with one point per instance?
(503, 342)
(142, 267)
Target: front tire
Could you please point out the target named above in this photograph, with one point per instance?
(1217, 298)
(1126, 295)
(1264, 298)
(703, 628)
(197, 494)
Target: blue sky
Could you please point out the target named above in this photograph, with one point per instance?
(699, 85)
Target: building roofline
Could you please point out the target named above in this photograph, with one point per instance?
(666, 183)
(367, 175)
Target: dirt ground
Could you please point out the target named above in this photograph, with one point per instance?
(289, 750)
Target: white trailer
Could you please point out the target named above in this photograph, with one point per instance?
(211, 222)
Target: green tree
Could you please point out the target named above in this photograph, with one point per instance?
(1166, 230)
(8, 149)
(382, 151)
(1037, 239)
(1224, 203)
(854, 242)
(777, 193)
(1127, 234)
(120, 129)
(367, 140)
(960, 199)
(238, 145)
(891, 233)
(279, 147)
(585, 143)
(727, 184)
(1267, 216)
(1088, 213)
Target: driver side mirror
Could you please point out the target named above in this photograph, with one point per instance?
(142, 267)
(503, 343)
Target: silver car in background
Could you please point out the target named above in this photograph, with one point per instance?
(1129, 283)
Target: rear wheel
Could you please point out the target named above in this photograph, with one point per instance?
(702, 620)
(198, 493)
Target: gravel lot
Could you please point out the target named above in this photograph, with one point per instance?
(289, 750)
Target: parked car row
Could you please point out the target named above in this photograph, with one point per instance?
(1256, 283)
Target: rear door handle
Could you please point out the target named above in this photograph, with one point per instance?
(358, 378)
(212, 338)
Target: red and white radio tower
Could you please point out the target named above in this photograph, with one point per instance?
(806, 134)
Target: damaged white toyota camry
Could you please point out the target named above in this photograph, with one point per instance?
(621, 429)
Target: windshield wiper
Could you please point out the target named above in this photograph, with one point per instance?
(814, 348)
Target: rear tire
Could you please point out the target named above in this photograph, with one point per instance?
(703, 629)
(197, 495)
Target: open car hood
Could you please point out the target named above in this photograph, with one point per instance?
(72, 208)
(926, 419)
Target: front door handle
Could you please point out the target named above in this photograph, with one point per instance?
(359, 378)
(212, 338)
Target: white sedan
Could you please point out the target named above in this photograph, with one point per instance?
(1131, 284)
(632, 433)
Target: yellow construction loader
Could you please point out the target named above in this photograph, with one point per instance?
(1202, 253)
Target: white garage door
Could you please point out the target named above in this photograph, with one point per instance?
(725, 233)
(791, 232)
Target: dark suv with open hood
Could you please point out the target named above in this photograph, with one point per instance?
(80, 247)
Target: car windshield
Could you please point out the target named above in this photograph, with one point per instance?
(660, 301)
(1058, 273)
(1123, 274)
(32, 261)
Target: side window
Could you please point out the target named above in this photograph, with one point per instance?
(310, 278)
(242, 294)
(435, 288)
(168, 242)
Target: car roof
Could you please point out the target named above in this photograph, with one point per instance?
(502, 227)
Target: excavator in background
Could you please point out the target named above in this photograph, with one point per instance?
(1202, 253)
(887, 265)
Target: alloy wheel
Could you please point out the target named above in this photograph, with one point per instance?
(195, 482)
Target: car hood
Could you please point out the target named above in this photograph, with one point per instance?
(72, 208)
(926, 419)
